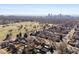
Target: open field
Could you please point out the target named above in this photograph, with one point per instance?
(26, 26)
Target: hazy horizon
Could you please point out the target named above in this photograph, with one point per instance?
(39, 9)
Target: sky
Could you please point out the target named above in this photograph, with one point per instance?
(39, 9)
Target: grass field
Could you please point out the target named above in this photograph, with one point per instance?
(18, 27)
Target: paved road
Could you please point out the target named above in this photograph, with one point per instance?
(2, 51)
(69, 36)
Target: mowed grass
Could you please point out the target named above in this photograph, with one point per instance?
(29, 26)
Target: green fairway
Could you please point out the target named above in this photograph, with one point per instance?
(29, 26)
